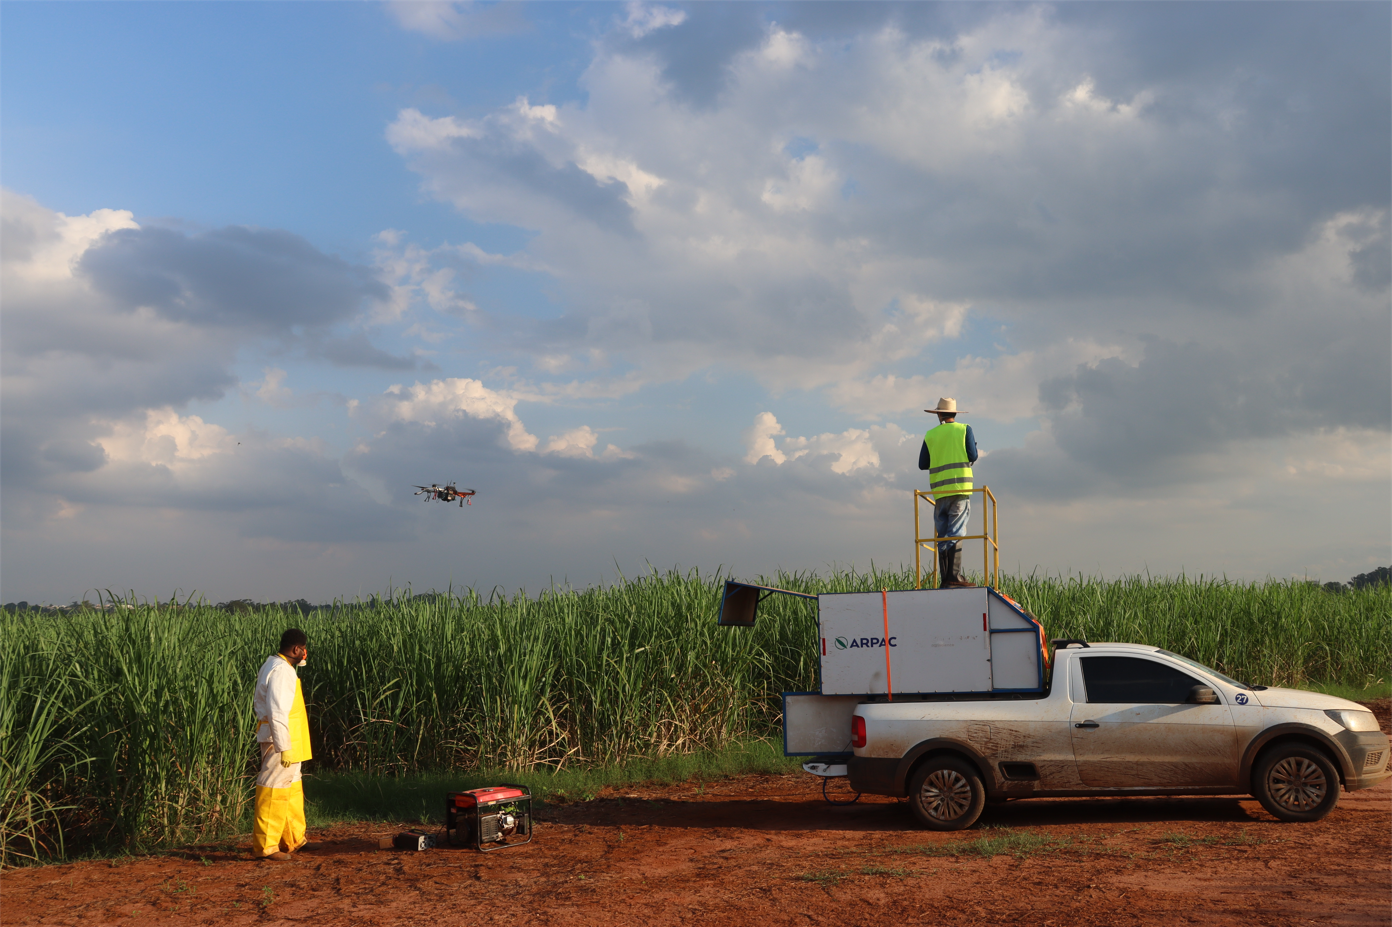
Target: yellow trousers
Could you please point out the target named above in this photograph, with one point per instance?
(280, 820)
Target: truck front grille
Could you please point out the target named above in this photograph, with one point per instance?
(1373, 761)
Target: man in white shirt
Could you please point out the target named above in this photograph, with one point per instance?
(282, 728)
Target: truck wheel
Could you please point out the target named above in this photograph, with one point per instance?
(947, 794)
(1295, 783)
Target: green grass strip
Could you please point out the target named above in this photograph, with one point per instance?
(350, 797)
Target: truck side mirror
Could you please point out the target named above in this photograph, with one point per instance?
(1202, 695)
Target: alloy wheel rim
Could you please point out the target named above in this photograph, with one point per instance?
(1298, 783)
(946, 794)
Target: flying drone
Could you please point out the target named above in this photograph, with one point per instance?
(446, 494)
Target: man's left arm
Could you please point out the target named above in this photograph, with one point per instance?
(280, 698)
(971, 446)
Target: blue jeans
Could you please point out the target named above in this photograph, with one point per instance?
(950, 520)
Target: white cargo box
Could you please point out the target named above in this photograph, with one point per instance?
(928, 641)
(914, 642)
(970, 641)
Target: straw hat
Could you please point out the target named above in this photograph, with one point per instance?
(946, 407)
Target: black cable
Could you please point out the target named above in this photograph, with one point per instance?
(827, 798)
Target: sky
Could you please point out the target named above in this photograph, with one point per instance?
(670, 286)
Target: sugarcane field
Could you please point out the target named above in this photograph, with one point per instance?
(415, 697)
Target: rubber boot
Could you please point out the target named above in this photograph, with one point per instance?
(944, 569)
(958, 577)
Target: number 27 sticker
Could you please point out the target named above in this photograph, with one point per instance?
(1241, 699)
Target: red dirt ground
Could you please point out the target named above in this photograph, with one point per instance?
(767, 851)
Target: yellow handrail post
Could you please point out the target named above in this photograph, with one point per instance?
(918, 548)
(989, 538)
(995, 534)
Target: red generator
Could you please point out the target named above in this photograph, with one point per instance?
(490, 819)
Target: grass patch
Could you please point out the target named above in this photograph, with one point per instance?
(823, 877)
(886, 871)
(1242, 840)
(1019, 844)
(1186, 841)
(1377, 689)
(343, 797)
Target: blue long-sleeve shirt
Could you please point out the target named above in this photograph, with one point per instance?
(924, 463)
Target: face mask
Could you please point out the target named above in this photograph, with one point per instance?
(302, 663)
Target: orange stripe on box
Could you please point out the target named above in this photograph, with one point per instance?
(889, 675)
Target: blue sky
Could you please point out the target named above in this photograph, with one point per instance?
(670, 284)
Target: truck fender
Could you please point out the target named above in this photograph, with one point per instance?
(1295, 731)
(942, 745)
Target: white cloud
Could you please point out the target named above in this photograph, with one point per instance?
(1002, 389)
(111, 330)
(578, 442)
(42, 246)
(440, 401)
(795, 228)
(642, 18)
(165, 438)
(1358, 457)
(808, 183)
(758, 439)
(461, 19)
(655, 216)
(272, 390)
(413, 131)
(434, 278)
(853, 448)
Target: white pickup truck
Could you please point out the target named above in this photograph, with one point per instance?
(949, 697)
(1116, 720)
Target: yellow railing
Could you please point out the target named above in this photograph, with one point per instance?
(990, 550)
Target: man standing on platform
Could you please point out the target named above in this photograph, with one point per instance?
(282, 729)
(948, 452)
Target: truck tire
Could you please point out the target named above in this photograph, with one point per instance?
(1295, 782)
(947, 794)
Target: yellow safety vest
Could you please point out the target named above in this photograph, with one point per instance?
(949, 471)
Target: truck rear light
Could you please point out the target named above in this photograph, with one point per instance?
(857, 732)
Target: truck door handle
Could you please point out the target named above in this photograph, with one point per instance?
(1088, 724)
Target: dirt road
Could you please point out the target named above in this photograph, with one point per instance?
(767, 851)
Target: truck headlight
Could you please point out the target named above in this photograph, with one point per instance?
(1354, 720)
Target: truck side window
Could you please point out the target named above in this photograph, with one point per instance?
(1127, 679)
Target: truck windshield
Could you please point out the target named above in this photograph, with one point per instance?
(1207, 669)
